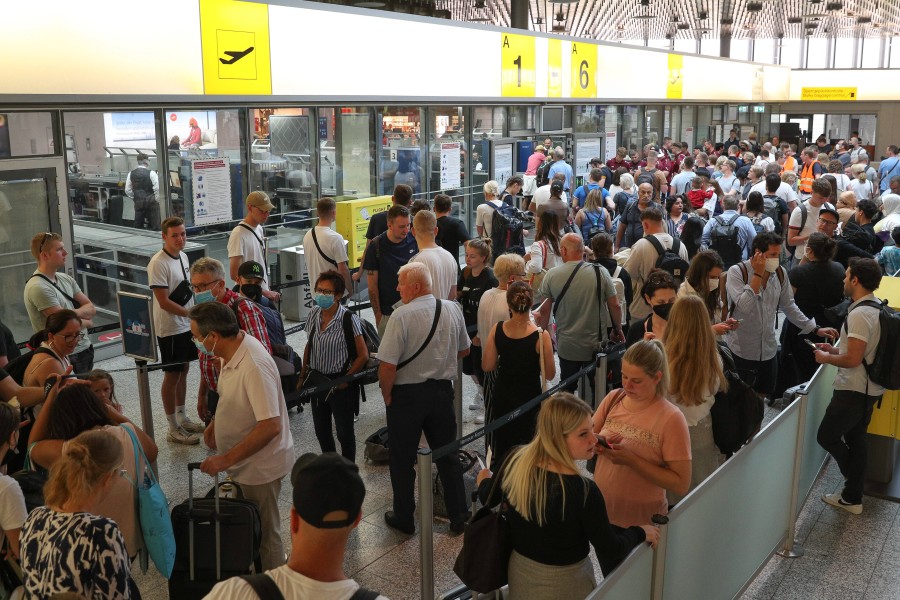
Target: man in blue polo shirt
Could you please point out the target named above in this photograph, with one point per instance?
(595, 177)
(888, 168)
(384, 256)
(561, 166)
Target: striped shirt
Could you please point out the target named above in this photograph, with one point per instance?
(251, 320)
(329, 352)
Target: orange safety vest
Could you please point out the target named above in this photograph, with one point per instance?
(790, 164)
(807, 176)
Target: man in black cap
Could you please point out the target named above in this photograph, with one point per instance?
(328, 498)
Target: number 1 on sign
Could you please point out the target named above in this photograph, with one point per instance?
(517, 57)
(584, 63)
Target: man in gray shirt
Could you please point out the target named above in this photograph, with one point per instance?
(419, 355)
(50, 290)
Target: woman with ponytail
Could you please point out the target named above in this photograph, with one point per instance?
(65, 546)
(513, 349)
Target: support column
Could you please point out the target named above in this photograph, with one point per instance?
(518, 14)
(725, 43)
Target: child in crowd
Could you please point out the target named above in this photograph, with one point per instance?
(698, 195)
(103, 385)
(889, 256)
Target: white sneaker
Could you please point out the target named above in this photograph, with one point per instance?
(180, 436)
(837, 500)
(191, 426)
(479, 420)
(477, 402)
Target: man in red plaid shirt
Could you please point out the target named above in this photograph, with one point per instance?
(208, 282)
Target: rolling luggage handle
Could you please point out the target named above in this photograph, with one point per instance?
(215, 518)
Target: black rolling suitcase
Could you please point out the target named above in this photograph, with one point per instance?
(215, 539)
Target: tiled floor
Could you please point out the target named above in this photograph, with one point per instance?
(847, 557)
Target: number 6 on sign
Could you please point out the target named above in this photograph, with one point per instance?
(517, 65)
(584, 70)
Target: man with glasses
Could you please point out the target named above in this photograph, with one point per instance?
(51, 290)
(828, 224)
(172, 298)
(246, 240)
(208, 285)
(804, 219)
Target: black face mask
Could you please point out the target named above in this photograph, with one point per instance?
(662, 311)
(251, 290)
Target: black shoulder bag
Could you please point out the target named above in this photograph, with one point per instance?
(319, 248)
(565, 288)
(182, 292)
(250, 229)
(75, 303)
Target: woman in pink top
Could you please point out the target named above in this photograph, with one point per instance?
(534, 161)
(649, 447)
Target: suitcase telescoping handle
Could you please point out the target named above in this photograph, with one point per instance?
(195, 466)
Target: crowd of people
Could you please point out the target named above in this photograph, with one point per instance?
(676, 257)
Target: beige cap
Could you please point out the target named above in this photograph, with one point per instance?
(259, 200)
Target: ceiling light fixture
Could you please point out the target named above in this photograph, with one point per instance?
(754, 6)
(370, 4)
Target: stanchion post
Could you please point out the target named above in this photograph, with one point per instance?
(426, 525)
(458, 399)
(659, 557)
(791, 549)
(600, 379)
(143, 381)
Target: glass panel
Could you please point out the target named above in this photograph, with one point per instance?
(871, 49)
(817, 53)
(448, 126)
(790, 52)
(26, 134)
(843, 55)
(893, 51)
(740, 49)
(763, 51)
(588, 119)
(631, 128)
(200, 135)
(749, 500)
(819, 389)
(631, 580)
(28, 193)
(347, 160)
(685, 45)
(703, 131)
(401, 142)
(282, 158)
(653, 122)
(710, 46)
(521, 118)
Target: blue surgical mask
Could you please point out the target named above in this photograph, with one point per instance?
(324, 301)
(204, 296)
(202, 348)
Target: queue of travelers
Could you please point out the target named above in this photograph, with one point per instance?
(672, 302)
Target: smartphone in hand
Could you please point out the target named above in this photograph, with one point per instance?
(601, 441)
(811, 343)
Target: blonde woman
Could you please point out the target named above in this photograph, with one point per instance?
(484, 214)
(592, 218)
(555, 513)
(846, 206)
(859, 185)
(65, 546)
(695, 371)
(646, 447)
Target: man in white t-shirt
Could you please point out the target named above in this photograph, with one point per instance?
(799, 229)
(542, 194)
(172, 298)
(784, 191)
(246, 241)
(324, 248)
(250, 430)
(443, 267)
(327, 506)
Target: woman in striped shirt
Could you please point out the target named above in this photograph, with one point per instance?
(330, 328)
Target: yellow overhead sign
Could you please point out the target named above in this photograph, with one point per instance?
(675, 80)
(517, 76)
(554, 68)
(584, 70)
(235, 41)
(828, 93)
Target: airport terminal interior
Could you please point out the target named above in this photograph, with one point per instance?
(349, 99)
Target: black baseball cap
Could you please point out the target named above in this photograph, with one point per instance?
(251, 268)
(830, 211)
(324, 483)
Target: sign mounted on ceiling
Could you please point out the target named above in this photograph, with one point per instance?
(828, 93)
(235, 41)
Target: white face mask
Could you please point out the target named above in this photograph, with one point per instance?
(772, 264)
(713, 284)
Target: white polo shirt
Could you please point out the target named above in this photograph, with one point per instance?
(249, 245)
(249, 392)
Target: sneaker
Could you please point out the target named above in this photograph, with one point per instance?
(479, 420)
(191, 426)
(838, 501)
(180, 436)
(477, 403)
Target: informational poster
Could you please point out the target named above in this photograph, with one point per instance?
(125, 128)
(138, 340)
(585, 150)
(503, 163)
(451, 176)
(211, 190)
(689, 137)
(610, 145)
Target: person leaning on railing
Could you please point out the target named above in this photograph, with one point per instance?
(555, 514)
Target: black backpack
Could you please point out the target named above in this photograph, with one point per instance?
(770, 208)
(17, 367)
(885, 370)
(669, 259)
(507, 230)
(377, 446)
(859, 237)
(542, 175)
(724, 239)
(757, 223)
(737, 413)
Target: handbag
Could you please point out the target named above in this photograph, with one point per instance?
(538, 278)
(182, 292)
(483, 561)
(153, 512)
